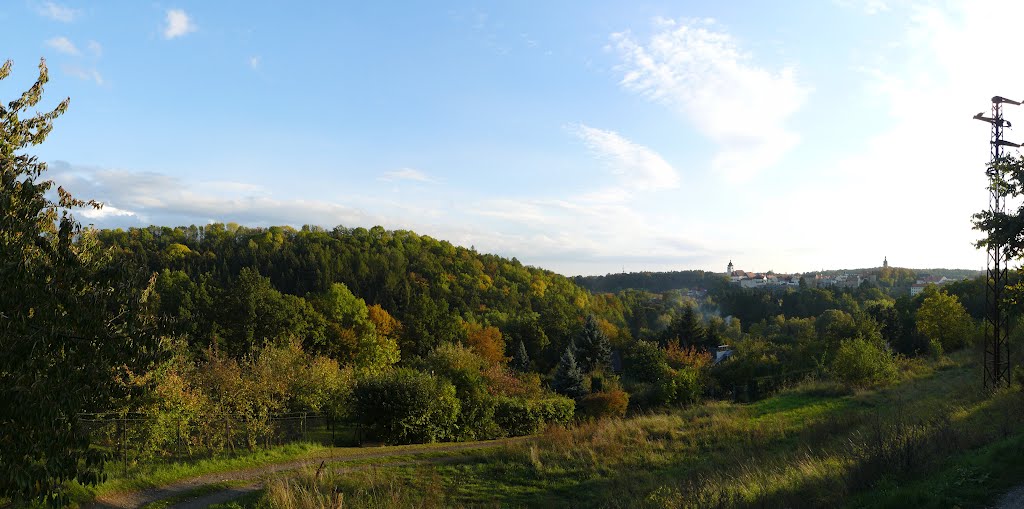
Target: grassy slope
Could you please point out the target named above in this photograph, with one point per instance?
(811, 446)
(155, 475)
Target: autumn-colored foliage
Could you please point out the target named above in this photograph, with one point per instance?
(692, 357)
(487, 342)
(604, 404)
(385, 324)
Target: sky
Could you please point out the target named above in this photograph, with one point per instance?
(584, 137)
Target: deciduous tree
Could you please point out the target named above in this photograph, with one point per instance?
(70, 321)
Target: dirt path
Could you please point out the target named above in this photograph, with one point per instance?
(126, 500)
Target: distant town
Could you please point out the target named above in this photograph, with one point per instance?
(823, 279)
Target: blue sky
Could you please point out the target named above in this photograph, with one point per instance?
(585, 137)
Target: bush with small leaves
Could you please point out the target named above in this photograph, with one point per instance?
(862, 363)
(407, 406)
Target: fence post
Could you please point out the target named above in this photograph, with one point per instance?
(124, 443)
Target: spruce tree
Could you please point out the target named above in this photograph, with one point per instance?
(688, 328)
(568, 379)
(593, 349)
(521, 359)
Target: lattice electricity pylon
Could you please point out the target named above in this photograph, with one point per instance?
(997, 347)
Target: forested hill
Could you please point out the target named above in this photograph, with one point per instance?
(650, 281)
(948, 273)
(432, 287)
(675, 280)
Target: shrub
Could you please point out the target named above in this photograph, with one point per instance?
(604, 404)
(681, 387)
(518, 417)
(464, 369)
(645, 362)
(407, 406)
(860, 363)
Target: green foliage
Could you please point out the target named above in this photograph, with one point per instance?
(406, 406)
(645, 362)
(688, 328)
(861, 363)
(71, 320)
(518, 416)
(593, 350)
(464, 369)
(684, 387)
(1004, 229)
(568, 379)
(520, 358)
(944, 322)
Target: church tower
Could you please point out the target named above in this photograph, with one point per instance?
(885, 263)
(729, 273)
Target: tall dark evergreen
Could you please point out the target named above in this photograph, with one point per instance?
(688, 328)
(593, 349)
(568, 378)
(521, 359)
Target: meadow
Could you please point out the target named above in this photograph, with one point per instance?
(934, 439)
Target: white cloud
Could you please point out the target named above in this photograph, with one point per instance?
(406, 174)
(63, 45)
(144, 198)
(639, 167)
(84, 74)
(178, 24)
(95, 48)
(574, 234)
(255, 62)
(108, 211)
(701, 71)
(57, 12)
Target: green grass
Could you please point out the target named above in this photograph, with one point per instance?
(932, 440)
(159, 474)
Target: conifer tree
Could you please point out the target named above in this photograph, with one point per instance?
(521, 359)
(593, 349)
(688, 328)
(568, 379)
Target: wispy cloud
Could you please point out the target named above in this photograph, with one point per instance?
(639, 167)
(701, 71)
(63, 45)
(143, 198)
(255, 62)
(85, 74)
(405, 174)
(178, 24)
(95, 48)
(57, 12)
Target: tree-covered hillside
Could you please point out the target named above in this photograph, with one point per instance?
(651, 281)
(427, 284)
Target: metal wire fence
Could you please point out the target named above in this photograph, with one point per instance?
(133, 438)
